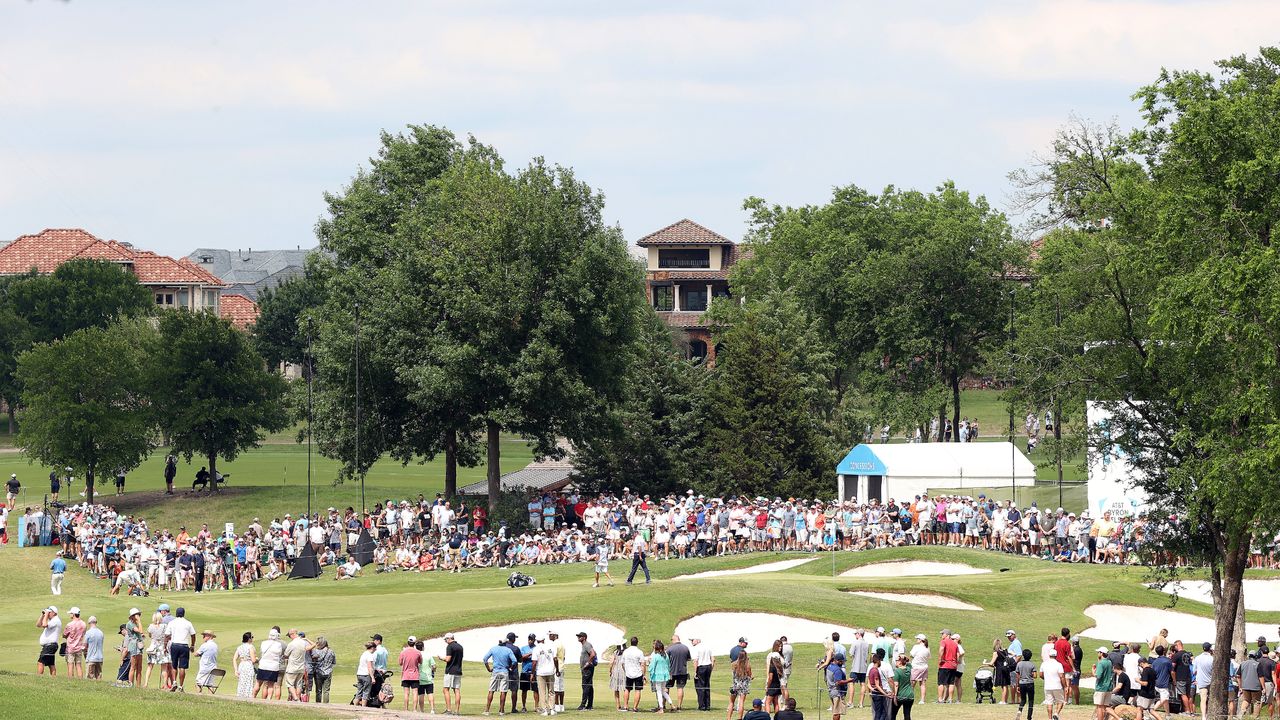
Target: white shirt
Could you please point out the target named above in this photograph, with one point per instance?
(545, 660)
(633, 662)
(920, 657)
(51, 634)
(270, 654)
(208, 652)
(180, 631)
(1052, 670)
(366, 662)
(702, 653)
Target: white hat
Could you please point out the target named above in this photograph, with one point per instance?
(921, 636)
(1053, 652)
(413, 639)
(52, 608)
(134, 611)
(75, 611)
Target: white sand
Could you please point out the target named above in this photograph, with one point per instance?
(935, 601)
(1140, 624)
(765, 568)
(721, 630)
(1262, 595)
(476, 642)
(912, 568)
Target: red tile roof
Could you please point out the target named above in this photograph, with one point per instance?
(684, 232)
(240, 310)
(48, 249)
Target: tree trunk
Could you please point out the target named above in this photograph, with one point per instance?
(942, 424)
(493, 473)
(1228, 605)
(213, 471)
(13, 420)
(450, 464)
(88, 484)
(1238, 638)
(955, 409)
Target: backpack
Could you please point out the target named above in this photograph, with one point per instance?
(519, 580)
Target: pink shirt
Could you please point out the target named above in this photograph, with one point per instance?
(410, 663)
(74, 633)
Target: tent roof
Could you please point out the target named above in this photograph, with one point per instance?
(973, 459)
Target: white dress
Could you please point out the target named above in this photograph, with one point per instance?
(244, 670)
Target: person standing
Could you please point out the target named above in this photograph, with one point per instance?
(1163, 669)
(365, 674)
(270, 656)
(704, 663)
(773, 678)
(904, 695)
(878, 686)
(1104, 681)
(295, 664)
(557, 685)
(639, 552)
(1055, 676)
(11, 488)
(1203, 664)
(660, 675)
(741, 686)
(546, 666)
(678, 656)
(170, 472)
(74, 634)
(208, 654)
(133, 637)
(948, 661)
(57, 570)
(453, 675)
(245, 658)
(1024, 676)
(93, 653)
(601, 557)
(498, 661)
(426, 680)
(50, 634)
(1147, 692)
(323, 661)
(528, 679)
(788, 655)
(410, 662)
(587, 661)
(857, 661)
(836, 684)
(633, 667)
(180, 632)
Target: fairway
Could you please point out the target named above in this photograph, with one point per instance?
(1031, 596)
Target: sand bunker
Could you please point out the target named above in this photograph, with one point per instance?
(477, 641)
(721, 630)
(1140, 624)
(765, 568)
(935, 601)
(1263, 595)
(912, 568)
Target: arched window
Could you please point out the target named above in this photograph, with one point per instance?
(697, 350)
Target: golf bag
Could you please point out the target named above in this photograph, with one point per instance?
(519, 580)
(381, 694)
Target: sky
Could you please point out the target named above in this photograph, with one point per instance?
(182, 125)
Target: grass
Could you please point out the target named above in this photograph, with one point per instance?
(1032, 596)
(265, 482)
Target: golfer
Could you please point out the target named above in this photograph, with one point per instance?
(57, 569)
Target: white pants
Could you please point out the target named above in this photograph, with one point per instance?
(55, 583)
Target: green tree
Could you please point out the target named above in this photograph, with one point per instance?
(1169, 256)
(278, 333)
(653, 438)
(85, 400)
(767, 399)
(212, 393)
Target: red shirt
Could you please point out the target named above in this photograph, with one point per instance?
(949, 655)
(1065, 653)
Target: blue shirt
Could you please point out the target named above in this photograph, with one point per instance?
(380, 657)
(503, 658)
(1163, 667)
(58, 565)
(527, 665)
(835, 674)
(1015, 648)
(93, 639)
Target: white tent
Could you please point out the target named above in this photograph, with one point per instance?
(903, 470)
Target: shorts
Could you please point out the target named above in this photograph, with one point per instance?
(1101, 698)
(946, 676)
(774, 690)
(409, 684)
(1180, 687)
(293, 680)
(1074, 679)
(602, 566)
(527, 682)
(1268, 692)
(857, 677)
(497, 682)
(837, 705)
(1055, 697)
(180, 655)
(919, 674)
(95, 670)
(364, 684)
(278, 554)
(1145, 703)
(270, 676)
(557, 684)
(48, 655)
(635, 683)
(1249, 696)
(76, 657)
(452, 682)
(1162, 694)
(428, 689)
(678, 681)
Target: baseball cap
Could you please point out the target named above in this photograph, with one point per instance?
(1007, 633)
(880, 629)
(742, 640)
(896, 631)
(581, 634)
(532, 635)
(52, 609)
(1206, 646)
(921, 636)
(757, 702)
(1102, 649)
(93, 619)
(448, 636)
(413, 638)
(839, 657)
(375, 636)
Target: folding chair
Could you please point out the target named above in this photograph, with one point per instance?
(215, 680)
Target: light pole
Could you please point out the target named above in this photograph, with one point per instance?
(1013, 448)
(309, 368)
(363, 507)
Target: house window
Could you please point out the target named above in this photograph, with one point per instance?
(164, 299)
(694, 258)
(697, 350)
(720, 291)
(211, 299)
(663, 298)
(694, 300)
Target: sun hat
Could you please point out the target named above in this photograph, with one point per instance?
(134, 611)
(208, 633)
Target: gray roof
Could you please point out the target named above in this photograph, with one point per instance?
(541, 475)
(248, 272)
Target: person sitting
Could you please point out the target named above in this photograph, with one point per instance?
(348, 570)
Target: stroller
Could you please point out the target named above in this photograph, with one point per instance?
(983, 684)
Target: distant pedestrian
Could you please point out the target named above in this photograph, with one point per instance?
(180, 632)
(660, 674)
(452, 675)
(741, 686)
(93, 653)
(57, 570)
(323, 661)
(639, 553)
(74, 634)
(245, 658)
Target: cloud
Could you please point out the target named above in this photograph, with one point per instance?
(1125, 42)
